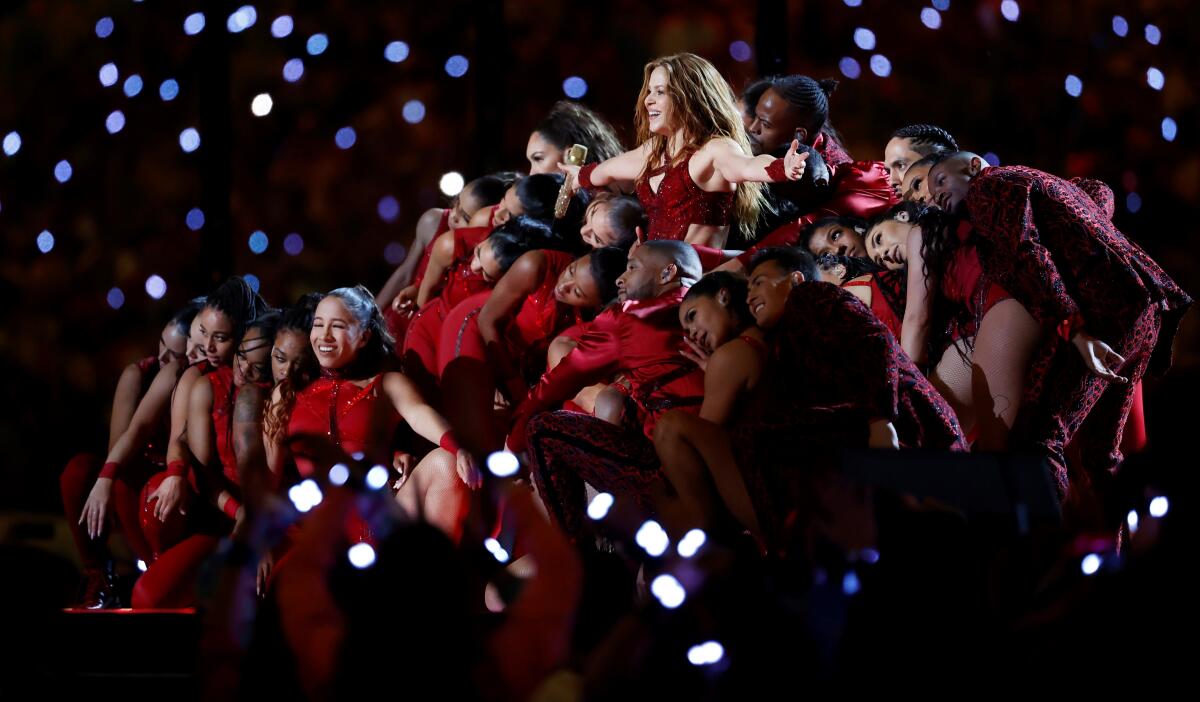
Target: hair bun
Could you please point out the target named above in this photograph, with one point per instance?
(828, 85)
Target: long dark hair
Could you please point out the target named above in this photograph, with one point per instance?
(237, 300)
(296, 318)
(713, 283)
(571, 123)
(606, 264)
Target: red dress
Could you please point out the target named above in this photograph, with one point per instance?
(420, 344)
(886, 304)
(967, 288)
(343, 412)
(527, 337)
(679, 203)
(1052, 245)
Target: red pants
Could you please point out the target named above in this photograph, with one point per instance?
(569, 449)
(76, 483)
(170, 582)
(459, 335)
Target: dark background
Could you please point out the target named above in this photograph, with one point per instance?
(997, 85)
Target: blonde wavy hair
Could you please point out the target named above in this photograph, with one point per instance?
(706, 108)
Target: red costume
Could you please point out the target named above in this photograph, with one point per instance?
(641, 340)
(1053, 246)
(678, 202)
(397, 322)
(808, 408)
(354, 418)
(887, 297)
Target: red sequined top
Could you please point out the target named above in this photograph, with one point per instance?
(680, 203)
(542, 316)
(461, 283)
(965, 284)
(341, 410)
(223, 395)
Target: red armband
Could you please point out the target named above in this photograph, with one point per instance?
(585, 176)
(177, 469)
(1067, 328)
(231, 507)
(110, 470)
(775, 171)
(447, 442)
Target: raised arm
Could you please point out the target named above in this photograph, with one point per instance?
(403, 275)
(624, 167)
(733, 166)
(511, 290)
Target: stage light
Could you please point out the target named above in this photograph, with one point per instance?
(258, 241)
(104, 27)
(317, 44)
(575, 87)
(156, 287)
(706, 653)
(668, 591)
(691, 543)
(194, 24)
(169, 90)
(115, 121)
(451, 183)
(396, 51)
(942, 5)
(63, 171)
(1155, 78)
(849, 67)
(1159, 507)
(361, 555)
(12, 143)
(1131, 520)
(1011, 10)
(414, 111)
(1073, 85)
(45, 241)
(652, 538)
(194, 219)
(345, 138)
(189, 140)
(1090, 564)
(881, 66)
(598, 508)
(864, 38)
(1120, 26)
(1133, 202)
(493, 546)
(141, 565)
(109, 75)
(115, 298)
(305, 495)
(282, 26)
(133, 85)
(1153, 34)
(253, 281)
(261, 105)
(1169, 129)
(394, 253)
(931, 18)
(339, 474)
(242, 19)
(992, 158)
(457, 65)
(503, 464)
(740, 51)
(293, 244)
(293, 70)
(377, 477)
(851, 584)
(388, 208)
(869, 556)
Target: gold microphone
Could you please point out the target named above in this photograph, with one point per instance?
(575, 156)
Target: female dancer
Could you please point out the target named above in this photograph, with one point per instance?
(171, 578)
(692, 169)
(498, 340)
(358, 407)
(570, 123)
(139, 406)
(723, 340)
(982, 339)
(869, 283)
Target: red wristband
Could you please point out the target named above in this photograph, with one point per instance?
(177, 468)
(775, 171)
(110, 470)
(447, 442)
(1068, 327)
(585, 176)
(231, 507)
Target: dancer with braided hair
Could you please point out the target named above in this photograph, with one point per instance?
(911, 144)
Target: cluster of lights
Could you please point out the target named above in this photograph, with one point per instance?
(691, 543)
(652, 538)
(242, 19)
(707, 653)
(668, 591)
(598, 508)
(493, 546)
(305, 494)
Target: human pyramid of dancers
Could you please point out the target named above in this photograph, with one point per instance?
(715, 316)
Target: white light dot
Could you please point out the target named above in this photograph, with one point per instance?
(156, 287)
(194, 219)
(668, 591)
(1169, 129)
(394, 253)
(388, 208)
(242, 18)
(261, 105)
(305, 495)
(575, 87)
(109, 74)
(456, 66)
(691, 543)
(12, 143)
(706, 653)
(1153, 34)
(1133, 202)
(881, 66)
(503, 464)
(293, 244)
(293, 70)
(1073, 85)
(652, 538)
(494, 547)
(849, 67)
(740, 51)
(864, 38)
(115, 121)
(45, 241)
(141, 565)
(115, 298)
(451, 183)
(169, 90)
(1155, 78)
(1011, 10)
(104, 27)
(377, 477)
(1090, 564)
(598, 508)
(931, 18)
(850, 583)
(1159, 507)
(63, 171)
(317, 44)
(396, 51)
(194, 24)
(339, 473)
(361, 555)
(281, 27)
(1132, 520)
(1120, 26)
(414, 111)
(345, 137)
(189, 139)
(133, 85)
(258, 241)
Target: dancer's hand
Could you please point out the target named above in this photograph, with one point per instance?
(468, 470)
(695, 353)
(405, 301)
(95, 510)
(169, 496)
(572, 173)
(1099, 357)
(794, 163)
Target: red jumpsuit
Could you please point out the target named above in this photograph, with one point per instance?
(642, 340)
